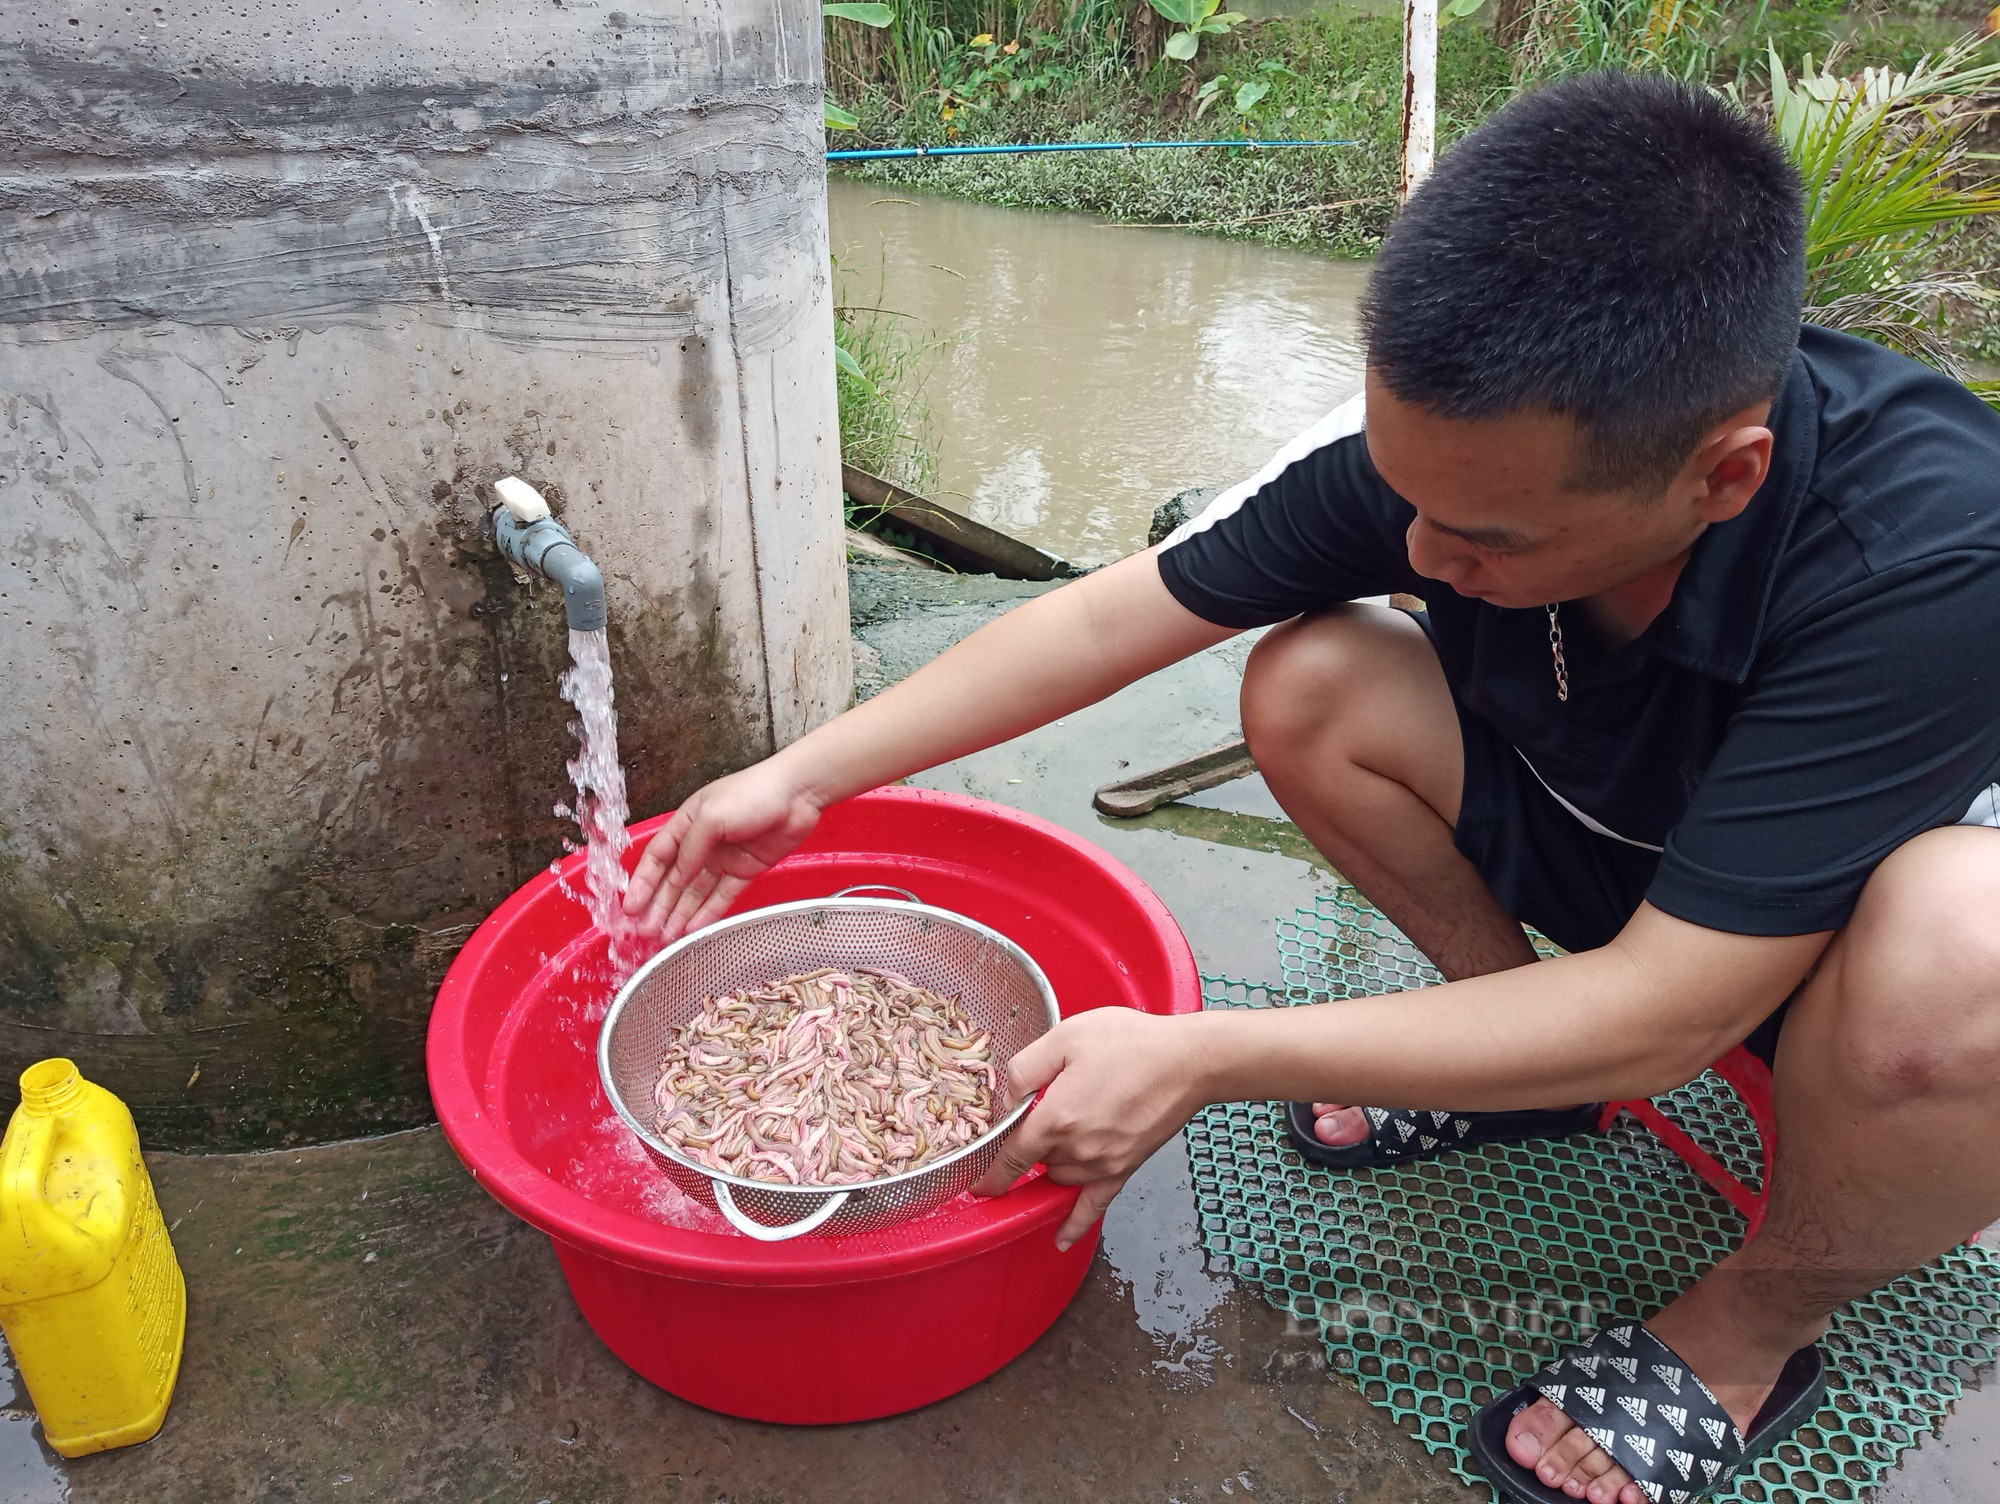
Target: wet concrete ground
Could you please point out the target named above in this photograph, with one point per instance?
(366, 1324)
(420, 1344)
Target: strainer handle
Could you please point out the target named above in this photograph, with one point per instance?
(812, 1221)
(877, 888)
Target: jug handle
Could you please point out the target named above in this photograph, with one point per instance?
(26, 1172)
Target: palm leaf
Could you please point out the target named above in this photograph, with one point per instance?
(1880, 155)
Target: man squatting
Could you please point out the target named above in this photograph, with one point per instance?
(1701, 693)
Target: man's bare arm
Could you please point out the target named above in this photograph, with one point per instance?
(1635, 1018)
(1055, 654)
(1638, 1017)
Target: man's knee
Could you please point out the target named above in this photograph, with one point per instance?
(1919, 971)
(1304, 671)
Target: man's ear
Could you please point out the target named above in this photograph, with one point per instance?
(1730, 465)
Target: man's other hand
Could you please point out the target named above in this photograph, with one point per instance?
(1115, 1084)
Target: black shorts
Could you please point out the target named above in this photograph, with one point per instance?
(1548, 868)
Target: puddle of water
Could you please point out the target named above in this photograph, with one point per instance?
(1093, 371)
(1226, 827)
(1152, 1243)
(30, 1471)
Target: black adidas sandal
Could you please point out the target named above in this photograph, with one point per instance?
(1396, 1134)
(1645, 1408)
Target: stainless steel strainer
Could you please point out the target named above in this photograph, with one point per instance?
(1003, 991)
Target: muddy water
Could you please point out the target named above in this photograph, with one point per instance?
(1093, 370)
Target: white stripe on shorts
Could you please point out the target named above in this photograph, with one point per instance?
(1985, 810)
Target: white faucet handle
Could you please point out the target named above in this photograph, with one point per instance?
(522, 501)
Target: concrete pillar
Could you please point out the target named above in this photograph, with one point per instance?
(283, 288)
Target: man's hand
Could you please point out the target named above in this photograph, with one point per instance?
(1115, 1084)
(723, 836)
(1047, 658)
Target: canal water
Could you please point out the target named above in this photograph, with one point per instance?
(1088, 370)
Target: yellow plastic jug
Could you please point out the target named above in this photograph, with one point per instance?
(91, 1297)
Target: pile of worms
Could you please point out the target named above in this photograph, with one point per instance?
(826, 1078)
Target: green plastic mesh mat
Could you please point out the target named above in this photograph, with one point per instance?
(1436, 1285)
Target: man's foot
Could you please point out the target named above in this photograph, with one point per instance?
(1338, 1126)
(1739, 1370)
(1339, 1137)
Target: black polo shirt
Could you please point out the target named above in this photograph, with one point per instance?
(1821, 688)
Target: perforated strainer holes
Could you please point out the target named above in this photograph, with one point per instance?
(1436, 1285)
(1001, 990)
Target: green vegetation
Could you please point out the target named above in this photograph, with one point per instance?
(884, 361)
(1882, 156)
(1335, 75)
(868, 14)
(1676, 37)
(1885, 106)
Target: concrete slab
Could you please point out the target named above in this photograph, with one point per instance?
(367, 1325)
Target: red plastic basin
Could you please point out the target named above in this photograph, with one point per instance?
(817, 1330)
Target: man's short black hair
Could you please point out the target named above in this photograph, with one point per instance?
(1624, 251)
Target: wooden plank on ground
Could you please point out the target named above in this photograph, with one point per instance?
(1144, 792)
(962, 543)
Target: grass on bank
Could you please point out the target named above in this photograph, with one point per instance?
(989, 71)
(1094, 70)
(884, 361)
(1341, 80)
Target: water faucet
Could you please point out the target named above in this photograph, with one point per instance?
(534, 540)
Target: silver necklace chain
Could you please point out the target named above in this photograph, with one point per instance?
(1556, 647)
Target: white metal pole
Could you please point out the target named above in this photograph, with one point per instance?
(1420, 61)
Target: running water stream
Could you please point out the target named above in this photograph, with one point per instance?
(600, 809)
(611, 1167)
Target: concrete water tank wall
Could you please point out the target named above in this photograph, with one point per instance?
(284, 287)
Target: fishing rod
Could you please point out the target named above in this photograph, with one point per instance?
(886, 153)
